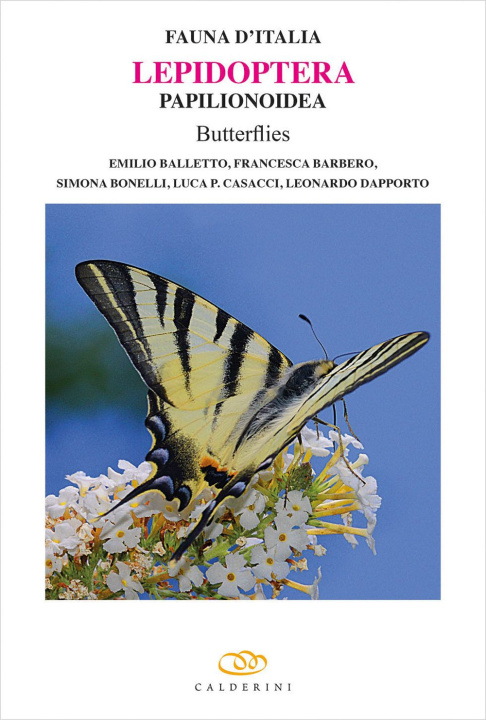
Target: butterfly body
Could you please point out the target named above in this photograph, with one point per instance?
(222, 401)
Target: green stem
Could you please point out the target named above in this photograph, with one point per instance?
(217, 550)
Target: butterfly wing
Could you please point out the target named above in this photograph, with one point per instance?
(203, 367)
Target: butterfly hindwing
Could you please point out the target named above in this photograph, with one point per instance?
(222, 401)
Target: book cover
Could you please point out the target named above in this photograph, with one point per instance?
(278, 210)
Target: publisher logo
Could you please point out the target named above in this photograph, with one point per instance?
(242, 663)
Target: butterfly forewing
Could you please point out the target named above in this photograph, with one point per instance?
(360, 369)
(191, 353)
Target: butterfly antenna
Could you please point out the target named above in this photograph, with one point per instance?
(306, 319)
(344, 355)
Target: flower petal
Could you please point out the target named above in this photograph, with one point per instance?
(113, 580)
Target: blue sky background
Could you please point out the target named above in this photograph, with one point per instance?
(362, 273)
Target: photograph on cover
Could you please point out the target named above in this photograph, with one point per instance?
(256, 471)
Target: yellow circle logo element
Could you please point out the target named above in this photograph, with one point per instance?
(242, 663)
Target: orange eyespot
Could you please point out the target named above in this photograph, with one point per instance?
(207, 461)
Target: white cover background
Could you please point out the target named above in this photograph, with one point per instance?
(417, 105)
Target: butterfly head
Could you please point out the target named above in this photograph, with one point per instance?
(324, 367)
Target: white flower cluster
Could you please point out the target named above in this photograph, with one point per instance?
(268, 556)
(254, 543)
(72, 517)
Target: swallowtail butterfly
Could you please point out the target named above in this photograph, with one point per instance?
(222, 401)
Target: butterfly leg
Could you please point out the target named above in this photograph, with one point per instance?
(341, 446)
(347, 422)
(317, 421)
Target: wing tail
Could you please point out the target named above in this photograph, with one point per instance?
(234, 489)
(159, 484)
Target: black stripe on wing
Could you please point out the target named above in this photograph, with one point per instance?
(233, 363)
(234, 360)
(161, 288)
(183, 306)
(222, 318)
(274, 368)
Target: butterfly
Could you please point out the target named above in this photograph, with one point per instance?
(222, 401)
